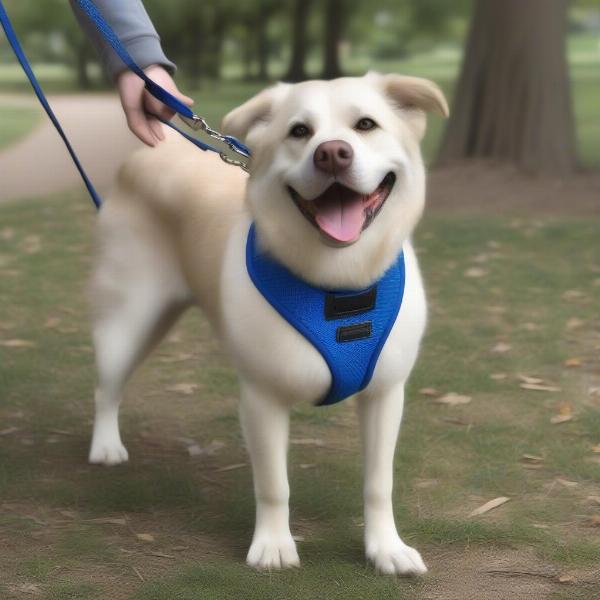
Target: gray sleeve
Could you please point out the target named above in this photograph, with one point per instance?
(132, 24)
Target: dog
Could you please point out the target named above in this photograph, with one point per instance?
(336, 186)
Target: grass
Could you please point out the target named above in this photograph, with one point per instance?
(17, 121)
(536, 291)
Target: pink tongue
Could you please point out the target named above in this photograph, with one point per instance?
(341, 218)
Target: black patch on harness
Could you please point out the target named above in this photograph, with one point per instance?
(338, 307)
(353, 332)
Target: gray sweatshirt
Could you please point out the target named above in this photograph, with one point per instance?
(131, 23)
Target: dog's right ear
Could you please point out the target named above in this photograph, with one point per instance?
(258, 110)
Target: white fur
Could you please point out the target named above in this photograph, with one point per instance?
(173, 234)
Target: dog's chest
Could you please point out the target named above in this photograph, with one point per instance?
(272, 354)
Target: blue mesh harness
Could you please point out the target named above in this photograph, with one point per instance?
(348, 328)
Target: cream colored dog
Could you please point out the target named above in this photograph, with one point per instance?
(173, 234)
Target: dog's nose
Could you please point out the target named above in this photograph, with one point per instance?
(333, 157)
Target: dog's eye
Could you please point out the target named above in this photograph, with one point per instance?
(365, 124)
(300, 131)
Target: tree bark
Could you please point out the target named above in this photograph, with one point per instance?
(296, 70)
(334, 16)
(82, 57)
(513, 100)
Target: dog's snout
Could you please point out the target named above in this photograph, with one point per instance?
(333, 157)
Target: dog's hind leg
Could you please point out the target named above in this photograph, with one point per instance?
(137, 293)
(380, 417)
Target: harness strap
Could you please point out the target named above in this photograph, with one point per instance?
(153, 88)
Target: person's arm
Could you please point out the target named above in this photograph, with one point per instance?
(131, 23)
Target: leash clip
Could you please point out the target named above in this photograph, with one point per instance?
(198, 123)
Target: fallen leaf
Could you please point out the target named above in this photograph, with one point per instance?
(558, 419)
(112, 521)
(453, 399)
(501, 348)
(566, 483)
(210, 450)
(565, 579)
(428, 392)
(475, 272)
(574, 323)
(489, 506)
(307, 442)
(52, 322)
(529, 379)
(17, 344)
(183, 388)
(572, 362)
(573, 295)
(498, 376)
(539, 387)
(594, 521)
(231, 467)
(145, 537)
(8, 431)
(307, 466)
(532, 458)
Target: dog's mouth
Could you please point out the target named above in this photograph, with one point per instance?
(342, 214)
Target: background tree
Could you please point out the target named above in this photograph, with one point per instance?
(513, 97)
(300, 15)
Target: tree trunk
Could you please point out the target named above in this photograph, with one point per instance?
(296, 70)
(81, 66)
(262, 47)
(334, 16)
(513, 99)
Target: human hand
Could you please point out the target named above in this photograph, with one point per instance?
(141, 108)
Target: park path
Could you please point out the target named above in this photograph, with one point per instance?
(39, 164)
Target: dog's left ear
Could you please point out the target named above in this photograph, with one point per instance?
(414, 94)
(241, 120)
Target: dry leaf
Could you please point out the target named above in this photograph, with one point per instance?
(574, 323)
(145, 537)
(565, 579)
(453, 399)
(17, 344)
(428, 392)
(558, 419)
(8, 431)
(572, 362)
(183, 388)
(307, 442)
(498, 376)
(489, 506)
(111, 521)
(501, 348)
(529, 379)
(532, 458)
(307, 466)
(231, 467)
(540, 387)
(594, 521)
(566, 483)
(475, 272)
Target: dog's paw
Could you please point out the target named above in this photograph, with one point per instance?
(268, 554)
(395, 558)
(103, 453)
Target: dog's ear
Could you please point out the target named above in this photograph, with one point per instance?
(414, 95)
(241, 120)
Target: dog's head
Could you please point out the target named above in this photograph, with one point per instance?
(337, 179)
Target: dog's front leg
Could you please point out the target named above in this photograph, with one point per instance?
(265, 422)
(380, 418)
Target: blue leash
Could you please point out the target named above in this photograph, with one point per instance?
(184, 112)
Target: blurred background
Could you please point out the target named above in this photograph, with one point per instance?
(503, 405)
